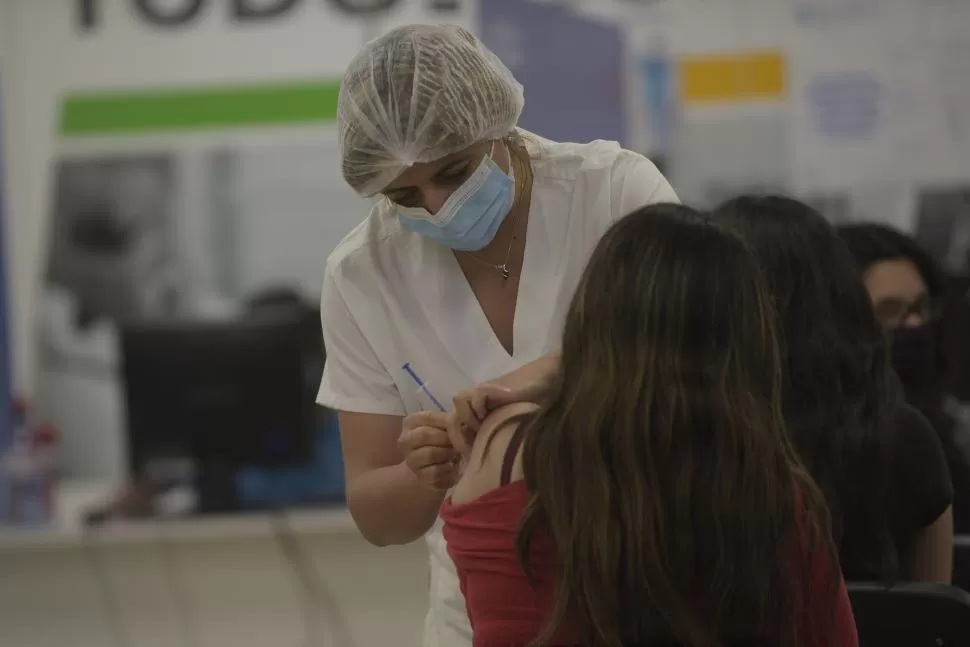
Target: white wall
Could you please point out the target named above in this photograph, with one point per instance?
(288, 177)
(45, 56)
(22, 187)
(736, 146)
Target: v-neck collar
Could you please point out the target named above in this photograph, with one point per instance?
(458, 319)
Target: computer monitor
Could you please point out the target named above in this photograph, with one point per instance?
(221, 394)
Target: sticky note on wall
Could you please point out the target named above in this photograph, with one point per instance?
(733, 77)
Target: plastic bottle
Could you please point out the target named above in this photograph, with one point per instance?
(15, 466)
(9, 461)
(27, 472)
(45, 449)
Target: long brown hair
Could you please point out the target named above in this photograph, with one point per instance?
(660, 466)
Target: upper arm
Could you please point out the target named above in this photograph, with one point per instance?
(368, 441)
(356, 384)
(921, 477)
(923, 497)
(354, 379)
(637, 183)
(483, 466)
(931, 555)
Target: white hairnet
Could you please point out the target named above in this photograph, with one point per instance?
(417, 94)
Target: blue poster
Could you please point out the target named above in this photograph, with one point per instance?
(846, 106)
(6, 417)
(573, 68)
(658, 75)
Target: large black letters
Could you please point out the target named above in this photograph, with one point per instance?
(87, 14)
(243, 10)
(363, 7)
(444, 6)
(174, 18)
(161, 13)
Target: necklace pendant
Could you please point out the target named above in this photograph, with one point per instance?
(504, 269)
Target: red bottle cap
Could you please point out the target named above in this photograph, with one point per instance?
(19, 404)
(45, 434)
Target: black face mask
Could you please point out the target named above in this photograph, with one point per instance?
(914, 360)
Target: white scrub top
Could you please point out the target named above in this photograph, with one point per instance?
(391, 296)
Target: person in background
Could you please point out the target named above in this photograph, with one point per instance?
(462, 271)
(877, 459)
(908, 292)
(654, 498)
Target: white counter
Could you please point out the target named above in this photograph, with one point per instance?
(212, 582)
(323, 522)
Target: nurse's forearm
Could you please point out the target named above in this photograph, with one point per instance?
(390, 506)
(534, 380)
(548, 367)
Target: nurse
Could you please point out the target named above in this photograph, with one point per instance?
(463, 269)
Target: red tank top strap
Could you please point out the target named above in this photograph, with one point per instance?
(508, 461)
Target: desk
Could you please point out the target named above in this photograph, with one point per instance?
(208, 582)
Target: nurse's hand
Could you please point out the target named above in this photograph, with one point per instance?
(427, 450)
(472, 406)
(530, 383)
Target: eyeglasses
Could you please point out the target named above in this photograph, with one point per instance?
(893, 313)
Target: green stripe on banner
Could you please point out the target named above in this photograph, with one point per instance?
(167, 110)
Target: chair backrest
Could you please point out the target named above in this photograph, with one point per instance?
(910, 615)
(955, 341)
(961, 562)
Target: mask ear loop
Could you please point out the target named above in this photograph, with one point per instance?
(518, 185)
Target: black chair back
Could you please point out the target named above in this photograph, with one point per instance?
(961, 562)
(911, 615)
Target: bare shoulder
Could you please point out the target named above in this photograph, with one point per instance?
(483, 467)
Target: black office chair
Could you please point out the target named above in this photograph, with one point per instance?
(911, 615)
(961, 562)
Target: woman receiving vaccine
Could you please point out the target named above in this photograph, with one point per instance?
(463, 269)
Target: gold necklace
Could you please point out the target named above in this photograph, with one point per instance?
(502, 268)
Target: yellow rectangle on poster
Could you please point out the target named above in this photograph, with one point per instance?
(740, 76)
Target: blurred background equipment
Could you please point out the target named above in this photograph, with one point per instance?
(220, 395)
(220, 414)
(111, 243)
(943, 227)
(910, 614)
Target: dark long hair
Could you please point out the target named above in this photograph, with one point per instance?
(871, 243)
(660, 466)
(838, 390)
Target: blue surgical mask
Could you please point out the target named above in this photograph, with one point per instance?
(471, 216)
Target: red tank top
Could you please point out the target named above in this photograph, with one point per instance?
(506, 610)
